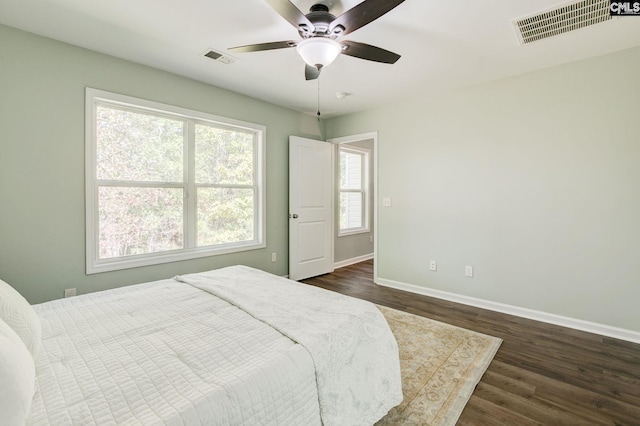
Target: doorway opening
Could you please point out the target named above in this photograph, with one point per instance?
(355, 198)
(332, 212)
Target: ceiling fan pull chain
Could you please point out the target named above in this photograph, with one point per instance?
(318, 113)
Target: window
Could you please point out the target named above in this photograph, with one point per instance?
(166, 184)
(354, 185)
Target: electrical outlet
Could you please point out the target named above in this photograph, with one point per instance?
(69, 292)
(468, 271)
(386, 202)
(273, 257)
(433, 265)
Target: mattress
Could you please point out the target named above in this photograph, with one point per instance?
(175, 352)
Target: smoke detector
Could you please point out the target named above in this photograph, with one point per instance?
(562, 19)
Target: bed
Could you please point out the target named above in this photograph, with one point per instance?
(233, 346)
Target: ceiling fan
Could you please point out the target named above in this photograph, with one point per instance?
(320, 30)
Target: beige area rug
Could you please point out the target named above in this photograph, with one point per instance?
(441, 365)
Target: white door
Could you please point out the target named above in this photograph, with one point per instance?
(310, 208)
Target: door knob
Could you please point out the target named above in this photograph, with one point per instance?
(295, 215)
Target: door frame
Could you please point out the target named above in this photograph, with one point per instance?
(356, 138)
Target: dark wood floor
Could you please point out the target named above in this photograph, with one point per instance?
(542, 374)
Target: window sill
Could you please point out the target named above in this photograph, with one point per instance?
(353, 232)
(106, 265)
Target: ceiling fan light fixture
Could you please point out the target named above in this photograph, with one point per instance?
(319, 52)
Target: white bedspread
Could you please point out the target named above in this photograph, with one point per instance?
(167, 353)
(354, 352)
(170, 353)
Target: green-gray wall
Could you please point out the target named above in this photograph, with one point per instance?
(532, 180)
(42, 99)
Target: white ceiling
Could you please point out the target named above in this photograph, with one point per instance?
(444, 44)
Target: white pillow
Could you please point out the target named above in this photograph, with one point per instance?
(17, 376)
(20, 316)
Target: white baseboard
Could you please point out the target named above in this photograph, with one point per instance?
(352, 261)
(590, 327)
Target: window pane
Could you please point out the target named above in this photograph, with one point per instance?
(224, 156)
(351, 210)
(139, 220)
(138, 147)
(225, 215)
(163, 181)
(350, 170)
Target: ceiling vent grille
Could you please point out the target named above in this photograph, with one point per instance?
(217, 56)
(561, 20)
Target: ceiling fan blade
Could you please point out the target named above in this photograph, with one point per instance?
(311, 73)
(363, 13)
(263, 46)
(368, 52)
(292, 14)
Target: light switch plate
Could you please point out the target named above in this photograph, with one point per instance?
(468, 271)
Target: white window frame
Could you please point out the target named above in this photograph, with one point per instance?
(95, 97)
(366, 154)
